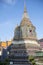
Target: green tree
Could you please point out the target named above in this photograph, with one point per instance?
(31, 59)
(5, 62)
(1, 63)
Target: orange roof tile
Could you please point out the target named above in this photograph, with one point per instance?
(4, 44)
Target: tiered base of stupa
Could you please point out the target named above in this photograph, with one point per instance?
(18, 55)
(20, 51)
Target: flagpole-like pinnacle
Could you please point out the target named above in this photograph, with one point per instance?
(25, 10)
(25, 15)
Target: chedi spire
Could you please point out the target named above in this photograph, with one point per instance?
(25, 15)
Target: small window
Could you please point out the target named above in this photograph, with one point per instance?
(30, 30)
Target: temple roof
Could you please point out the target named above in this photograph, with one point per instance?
(4, 44)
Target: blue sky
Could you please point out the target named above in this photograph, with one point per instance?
(11, 12)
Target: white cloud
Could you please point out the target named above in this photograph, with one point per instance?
(8, 1)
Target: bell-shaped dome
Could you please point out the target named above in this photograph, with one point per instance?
(25, 21)
(25, 18)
